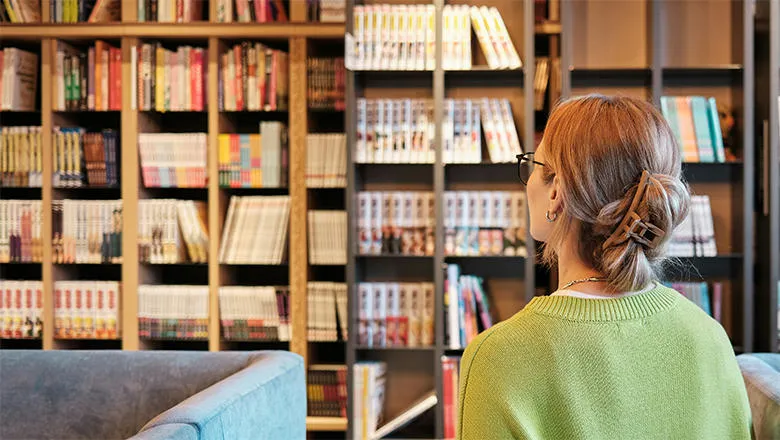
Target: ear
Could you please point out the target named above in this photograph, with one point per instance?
(555, 203)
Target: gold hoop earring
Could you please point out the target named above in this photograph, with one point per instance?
(547, 216)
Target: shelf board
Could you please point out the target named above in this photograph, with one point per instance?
(201, 30)
(484, 76)
(394, 256)
(722, 172)
(326, 423)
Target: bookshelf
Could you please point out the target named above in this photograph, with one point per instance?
(652, 52)
(768, 182)
(296, 38)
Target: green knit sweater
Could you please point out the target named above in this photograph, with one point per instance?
(647, 366)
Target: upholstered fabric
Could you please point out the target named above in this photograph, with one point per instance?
(113, 394)
(170, 431)
(761, 372)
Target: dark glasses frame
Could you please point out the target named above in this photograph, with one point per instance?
(522, 158)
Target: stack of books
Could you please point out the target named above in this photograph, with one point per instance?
(326, 391)
(172, 231)
(368, 398)
(173, 312)
(20, 231)
(461, 131)
(21, 157)
(326, 11)
(328, 237)
(253, 77)
(85, 159)
(484, 223)
(466, 308)
(173, 160)
(80, 11)
(20, 12)
(19, 80)
(87, 310)
(395, 314)
(392, 37)
(170, 80)
(707, 296)
(87, 231)
(326, 160)
(695, 236)
(326, 83)
(394, 131)
(21, 309)
(258, 313)
(171, 11)
(395, 222)
(254, 160)
(696, 124)
(327, 311)
(251, 11)
(87, 79)
(255, 230)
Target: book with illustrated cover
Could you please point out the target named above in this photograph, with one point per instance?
(19, 80)
(254, 313)
(484, 223)
(173, 312)
(87, 310)
(86, 231)
(21, 309)
(21, 157)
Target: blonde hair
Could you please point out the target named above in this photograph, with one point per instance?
(598, 146)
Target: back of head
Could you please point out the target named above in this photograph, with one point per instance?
(600, 147)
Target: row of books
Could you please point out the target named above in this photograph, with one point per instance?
(254, 160)
(392, 37)
(547, 76)
(326, 160)
(368, 398)
(21, 157)
(19, 79)
(491, 33)
(171, 11)
(326, 83)
(20, 231)
(485, 223)
(87, 310)
(461, 131)
(87, 231)
(326, 11)
(450, 371)
(255, 313)
(85, 159)
(707, 296)
(172, 231)
(20, 11)
(327, 237)
(169, 80)
(255, 230)
(327, 314)
(173, 160)
(395, 314)
(173, 312)
(466, 308)
(253, 77)
(695, 236)
(21, 309)
(87, 78)
(395, 222)
(326, 390)
(696, 124)
(251, 11)
(80, 11)
(394, 131)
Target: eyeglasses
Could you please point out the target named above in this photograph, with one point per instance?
(525, 165)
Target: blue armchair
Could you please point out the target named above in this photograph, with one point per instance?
(761, 372)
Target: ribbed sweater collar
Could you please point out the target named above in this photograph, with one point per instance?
(636, 306)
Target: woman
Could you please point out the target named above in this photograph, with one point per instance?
(612, 354)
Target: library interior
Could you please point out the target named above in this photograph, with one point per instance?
(144, 143)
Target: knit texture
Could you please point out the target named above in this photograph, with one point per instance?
(647, 366)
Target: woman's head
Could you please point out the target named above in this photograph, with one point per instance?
(594, 150)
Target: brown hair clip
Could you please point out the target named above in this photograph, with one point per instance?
(632, 226)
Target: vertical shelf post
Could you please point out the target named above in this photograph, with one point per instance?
(48, 46)
(214, 206)
(350, 276)
(748, 180)
(438, 195)
(529, 129)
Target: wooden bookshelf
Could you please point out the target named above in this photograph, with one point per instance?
(322, 424)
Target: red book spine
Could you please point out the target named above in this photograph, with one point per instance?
(274, 75)
(449, 427)
(260, 11)
(239, 84)
(116, 79)
(196, 76)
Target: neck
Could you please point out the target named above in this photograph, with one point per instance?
(571, 268)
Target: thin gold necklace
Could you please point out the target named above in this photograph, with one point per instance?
(583, 280)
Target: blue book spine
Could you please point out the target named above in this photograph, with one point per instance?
(669, 110)
(701, 126)
(717, 135)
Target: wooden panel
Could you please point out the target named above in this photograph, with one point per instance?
(47, 275)
(130, 173)
(506, 297)
(700, 33)
(214, 224)
(298, 215)
(610, 34)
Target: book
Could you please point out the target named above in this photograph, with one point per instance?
(251, 11)
(695, 122)
(173, 312)
(82, 159)
(173, 160)
(395, 314)
(450, 366)
(424, 403)
(172, 11)
(20, 231)
(395, 223)
(326, 160)
(368, 397)
(327, 237)
(21, 157)
(19, 80)
(326, 83)
(485, 223)
(172, 231)
(23, 11)
(87, 310)
(695, 236)
(326, 311)
(466, 306)
(255, 230)
(254, 160)
(170, 80)
(456, 37)
(394, 131)
(326, 11)
(21, 309)
(87, 78)
(256, 313)
(86, 231)
(494, 38)
(253, 77)
(326, 390)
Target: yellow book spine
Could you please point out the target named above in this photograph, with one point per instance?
(159, 98)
